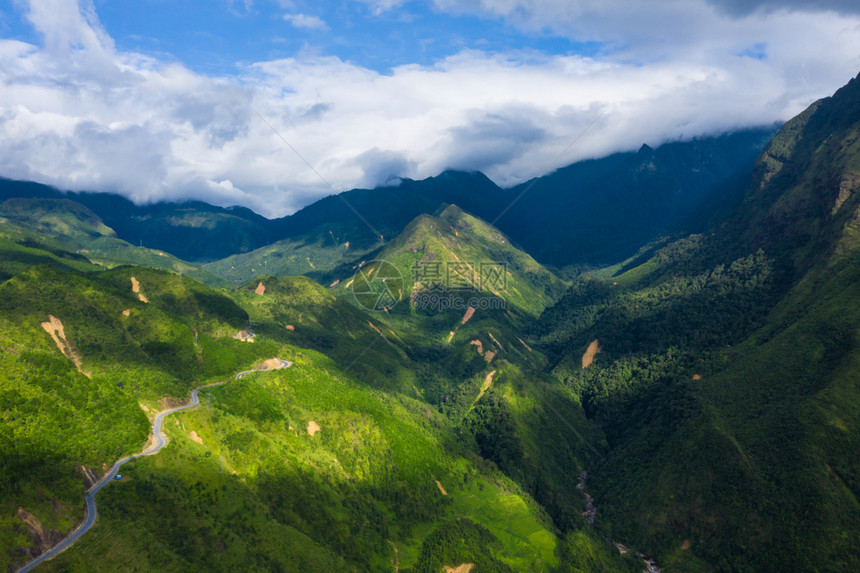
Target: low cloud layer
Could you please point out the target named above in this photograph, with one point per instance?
(77, 113)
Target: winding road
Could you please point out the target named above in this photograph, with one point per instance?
(161, 441)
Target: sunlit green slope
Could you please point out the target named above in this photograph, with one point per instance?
(322, 466)
(461, 256)
(76, 228)
(79, 353)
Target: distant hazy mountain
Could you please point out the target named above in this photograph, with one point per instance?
(340, 229)
(595, 211)
(603, 210)
(60, 224)
(192, 230)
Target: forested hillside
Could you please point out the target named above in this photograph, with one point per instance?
(727, 377)
(377, 448)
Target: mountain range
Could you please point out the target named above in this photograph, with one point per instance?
(649, 360)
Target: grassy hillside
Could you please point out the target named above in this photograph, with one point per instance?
(300, 312)
(20, 251)
(75, 228)
(306, 485)
(80, 352)
(314, 254)
(482, 379)
(352, 459)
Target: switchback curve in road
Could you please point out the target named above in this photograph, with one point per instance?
(90, 498)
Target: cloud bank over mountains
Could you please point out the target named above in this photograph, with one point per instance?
(78, 113)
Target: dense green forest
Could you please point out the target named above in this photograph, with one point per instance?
(726, 382)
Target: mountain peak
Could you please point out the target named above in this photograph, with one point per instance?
(473, 253)
(451, 212)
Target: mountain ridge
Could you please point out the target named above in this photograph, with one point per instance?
(199, 232)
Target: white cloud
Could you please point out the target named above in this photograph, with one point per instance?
(77, 113)
(305, 21)
(379, 6)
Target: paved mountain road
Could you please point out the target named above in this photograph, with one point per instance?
(92, 511)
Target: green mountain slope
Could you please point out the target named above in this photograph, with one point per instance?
(79, 354)
(111, 360)
(727, 377)
(307, 483)
(192, 230)
(480, 375)
(315, 254)
(462, 258)
(340, 462)
(300, 312)
(803, 200)
(461, 342)
(78, 229)
(21, 249)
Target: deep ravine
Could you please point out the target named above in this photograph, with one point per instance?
(590, 514)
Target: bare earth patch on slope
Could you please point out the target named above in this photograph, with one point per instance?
(135, 288)
(488, 381)
(590, 352)
(469, 313)
(271, 364)
(42, 540)
(244, 336)
(54, 327)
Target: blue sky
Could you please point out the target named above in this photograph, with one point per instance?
(216, 37)
(164, 100)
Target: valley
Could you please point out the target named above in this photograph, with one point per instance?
(668, 369)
